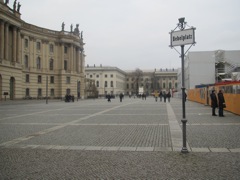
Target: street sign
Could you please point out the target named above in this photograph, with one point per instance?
(182, 37)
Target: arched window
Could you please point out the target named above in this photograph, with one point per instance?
(51, 64)
(170, 85)
(38, 63)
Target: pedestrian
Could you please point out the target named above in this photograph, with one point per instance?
(164, 96)
(156, 95)
(214, 102)
(160, 95)
(109, 98)
(121, 97)
(168, 96)
(221, 103)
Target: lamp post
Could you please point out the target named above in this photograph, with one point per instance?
(181, 38)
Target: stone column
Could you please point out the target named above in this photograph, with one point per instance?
(18, 45)
(71, 57)
(78, 59)
(14, 44)
(2, 41)
(6, 41)
(62, 54)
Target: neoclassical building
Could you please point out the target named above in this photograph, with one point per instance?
(112, 80)
(108, 80)
(38, 62)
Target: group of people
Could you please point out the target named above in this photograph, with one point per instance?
(217, 101)
(162, 95)
(69, 98)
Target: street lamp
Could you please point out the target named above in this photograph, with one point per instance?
(182, 38)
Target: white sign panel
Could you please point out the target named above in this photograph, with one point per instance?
(179, 38)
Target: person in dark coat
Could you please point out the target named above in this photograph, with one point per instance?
(221, 103)
(168, 96)
(121, 97)
(214, 102)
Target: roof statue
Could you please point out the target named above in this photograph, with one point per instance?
(63, 25)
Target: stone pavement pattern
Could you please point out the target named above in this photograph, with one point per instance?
(135, 139)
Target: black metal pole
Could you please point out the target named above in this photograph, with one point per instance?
(184, 120)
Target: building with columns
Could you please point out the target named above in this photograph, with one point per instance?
(36, 62)
(112, 80)
(108, 80)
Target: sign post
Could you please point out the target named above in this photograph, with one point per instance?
(181, 38)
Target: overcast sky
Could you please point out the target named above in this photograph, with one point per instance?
(132, 34)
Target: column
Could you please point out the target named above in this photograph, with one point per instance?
(78, 59)
(14, 44)
(2, 41)
(81, 61)
(71, 57)
(6, 41)
(18, 45)
(62, 54)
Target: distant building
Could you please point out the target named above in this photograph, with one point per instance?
(112, 80)
(37, 62)
(108, 80)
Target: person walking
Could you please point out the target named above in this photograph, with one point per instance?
(121, 97)
(160, 95)
(221, 103)
(168, 96)
(214, 102)
(164, 96)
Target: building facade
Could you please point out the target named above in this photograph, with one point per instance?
(108, 80)
(151, 80)
(112, 80)
(36, 62)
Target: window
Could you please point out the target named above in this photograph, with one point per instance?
(111, 75)
(26, 43)
(26, 61)
(97, 76)
(27, 92)
(68, 80)
(127, 79)
(105, 75)
(39, 79)
(170, 85)
(164, 86)
(65, 65)
(51, 48)
(38, 46)
(52, 92)
(105, 85)
(38, 63)
(27, 78)
(90, 76)
(111, 83)
(51, 64)
(127, 86)
(39, 92)
(52, 79)
(97, 83)
(65, 49)
(175, 85)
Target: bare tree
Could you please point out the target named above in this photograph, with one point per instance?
(137, 75)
